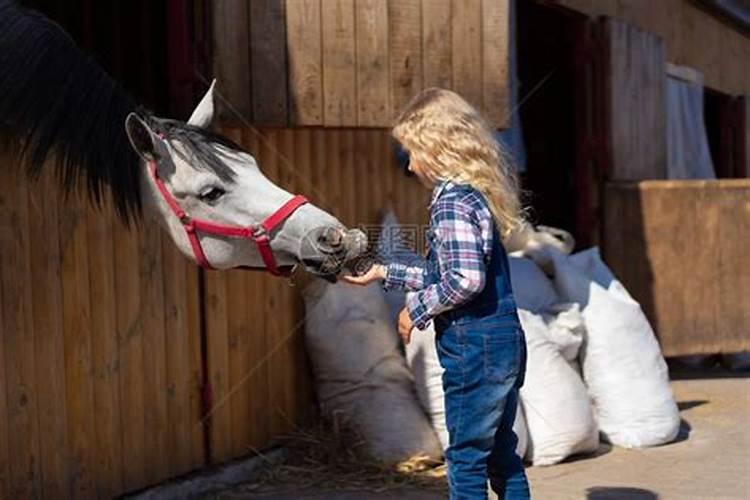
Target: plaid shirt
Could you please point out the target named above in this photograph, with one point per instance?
(461, 233)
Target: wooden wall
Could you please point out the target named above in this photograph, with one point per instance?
(347, 63)
(679, 247)
(101, 345)
(692, 37)
(99, 350)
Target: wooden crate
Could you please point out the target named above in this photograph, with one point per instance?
(680, 248)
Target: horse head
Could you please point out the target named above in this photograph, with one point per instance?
(206, 177)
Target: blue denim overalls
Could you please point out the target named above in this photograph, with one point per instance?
(482, 348)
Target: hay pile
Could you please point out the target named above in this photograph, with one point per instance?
(330, 456)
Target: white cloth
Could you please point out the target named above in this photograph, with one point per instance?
(688, 154)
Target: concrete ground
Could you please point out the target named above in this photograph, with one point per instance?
(709, 461)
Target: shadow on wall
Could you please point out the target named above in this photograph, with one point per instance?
(619, 493)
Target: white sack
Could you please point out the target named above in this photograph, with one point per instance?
(422, 357)
(558, 412)
(621, 361)
(360, 373)
(566, 329)
(688, 154)
(532, 289)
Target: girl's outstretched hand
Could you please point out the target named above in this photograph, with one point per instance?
(375, 273)
(405, 325)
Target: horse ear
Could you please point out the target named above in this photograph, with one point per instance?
(141, 137)
(203, 114)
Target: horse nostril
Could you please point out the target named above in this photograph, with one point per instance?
(332, 237)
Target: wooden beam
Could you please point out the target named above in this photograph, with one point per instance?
(305, 54)
(373, 77)
(339, 64)
(268, 52)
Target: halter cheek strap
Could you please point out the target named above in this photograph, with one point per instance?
(259, 234)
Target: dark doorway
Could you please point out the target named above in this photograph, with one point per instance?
(554, 64)
(151, 48)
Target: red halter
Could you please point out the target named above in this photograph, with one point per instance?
(259, 234)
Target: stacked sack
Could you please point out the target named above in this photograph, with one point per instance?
(624, 370)
(360, 373)
(555, 419)
(593, 361)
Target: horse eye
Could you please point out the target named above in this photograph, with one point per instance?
(211, 194)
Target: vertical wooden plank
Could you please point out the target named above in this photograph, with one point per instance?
(349, 176)
(332, 173)
(268, 53)
(390, 173)
(373, 79)
(48, 333)
(303, 24)
(181, 415)
(154, 355)
(495, 61)
(238, 353)
(288, 174)
(218, 364)
(5, 249)
(105, 351)
(303, 158)
(231, 59)
(78, 357)
(405, 33)
(437, 53)
(24, 474)
(318, 168)
(636, 95)
(378, 154)
(466, 40)
(129, 338)
(198, 376)
(339, 64)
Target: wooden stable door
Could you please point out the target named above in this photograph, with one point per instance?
(677, 246)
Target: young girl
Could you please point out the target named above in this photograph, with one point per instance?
(464, 287)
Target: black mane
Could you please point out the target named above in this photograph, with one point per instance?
(60, 103)
(198, 142)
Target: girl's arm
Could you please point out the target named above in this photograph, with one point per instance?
(461, 258)
(410, 274)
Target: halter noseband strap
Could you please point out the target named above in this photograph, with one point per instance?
(259, 234)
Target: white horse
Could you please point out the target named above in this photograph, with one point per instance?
(209, 194)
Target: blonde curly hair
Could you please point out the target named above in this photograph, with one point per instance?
(451, 141)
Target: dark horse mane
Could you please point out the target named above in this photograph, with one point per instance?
(60, 103)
